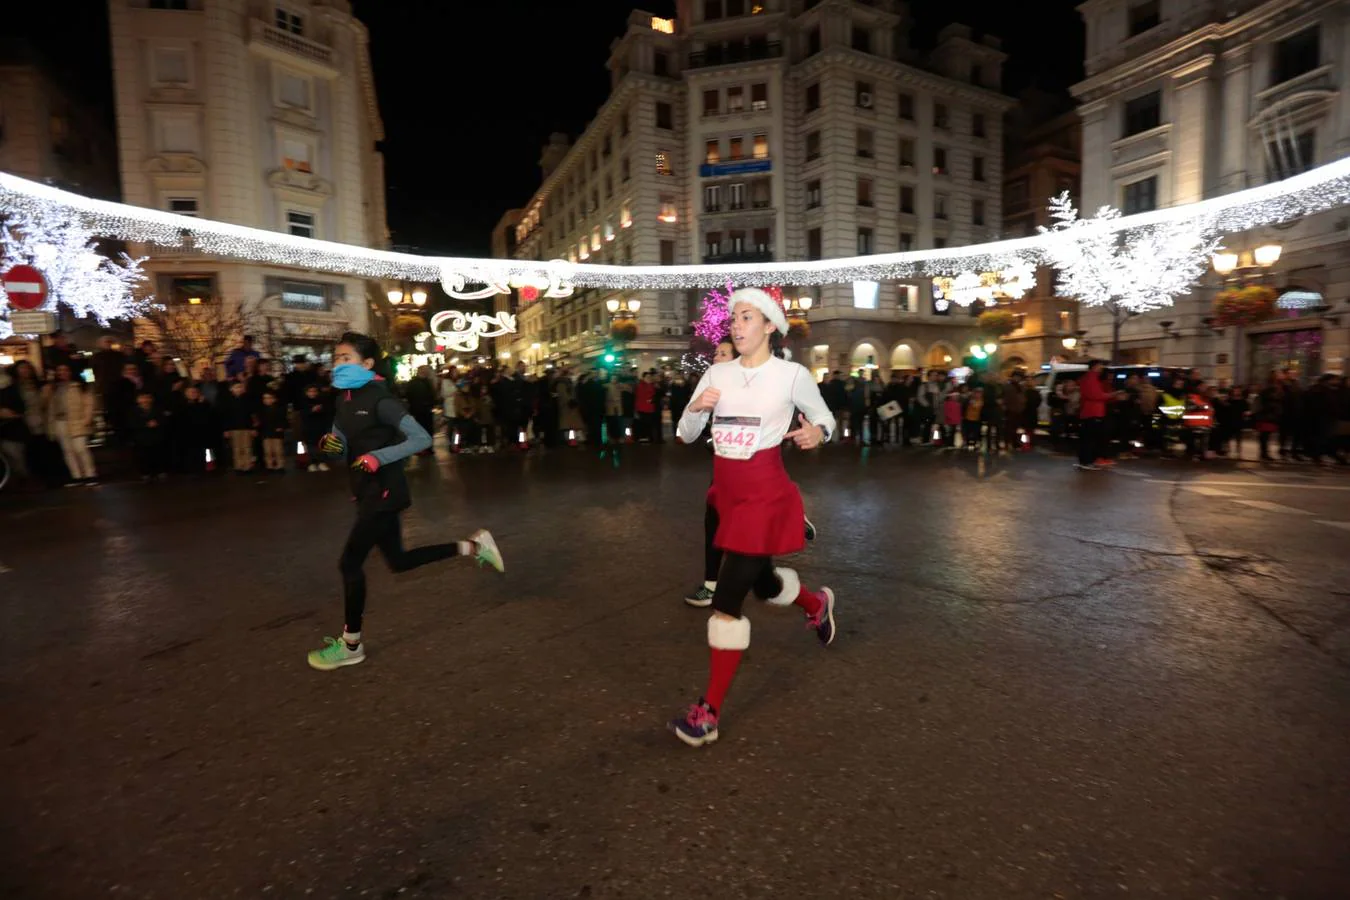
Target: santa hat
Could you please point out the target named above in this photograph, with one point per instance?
(761, 301)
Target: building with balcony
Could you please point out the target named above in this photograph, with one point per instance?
(260, 114)
(779, 130)
(1190, 99)
(1042, 150)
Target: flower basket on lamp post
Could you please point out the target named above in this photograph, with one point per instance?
(624, 329)
(798, 329)
(1244, 306)
(998, 323)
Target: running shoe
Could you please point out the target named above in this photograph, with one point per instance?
(700, 598)
(335, 654)
(822, 623)
(698, 726)
(810, 529)
(488, 554)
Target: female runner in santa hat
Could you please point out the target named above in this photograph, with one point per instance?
(701, 597)
(751, 401)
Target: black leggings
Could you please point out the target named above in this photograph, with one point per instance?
(712, 557)
(739, 576)
(383, 530)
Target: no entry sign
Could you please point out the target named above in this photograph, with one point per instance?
(26, 287)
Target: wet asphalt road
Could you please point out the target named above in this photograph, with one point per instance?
(1047, 684)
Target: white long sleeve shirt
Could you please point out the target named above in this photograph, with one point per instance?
(756, 407)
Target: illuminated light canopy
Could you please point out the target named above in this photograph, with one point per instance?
(462, 332)
(1316, 190)
(969, 288)
(1300, 300)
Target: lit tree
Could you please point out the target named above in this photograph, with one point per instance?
(79, 277)
(1127, 272)
(712, 326)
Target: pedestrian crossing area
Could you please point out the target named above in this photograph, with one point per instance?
(1308, 497)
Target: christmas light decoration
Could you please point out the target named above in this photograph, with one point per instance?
(714, 315)
(1316, 190)
(1134, 271)
(461, 332)
(78, 277)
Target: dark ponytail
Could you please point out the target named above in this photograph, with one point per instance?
(776, 343)
(367, 348)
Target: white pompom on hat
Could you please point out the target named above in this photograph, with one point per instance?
(761, 301)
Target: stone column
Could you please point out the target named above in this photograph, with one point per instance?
(1190, 123)
(1236, 112)
(1096, 175)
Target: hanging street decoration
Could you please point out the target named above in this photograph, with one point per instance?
(461, 332)
(968, 288)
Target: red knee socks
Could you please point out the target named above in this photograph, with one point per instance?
(722, 665)
(809, 601)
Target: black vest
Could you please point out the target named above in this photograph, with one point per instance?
(358, 419)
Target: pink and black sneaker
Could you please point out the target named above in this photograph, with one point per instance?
(822, 623)
(698, 726)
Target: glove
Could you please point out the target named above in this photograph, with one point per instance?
(367, 463)
(331, 444)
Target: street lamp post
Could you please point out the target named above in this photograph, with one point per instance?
(1238, 269)
(625, 311)
(798, 308)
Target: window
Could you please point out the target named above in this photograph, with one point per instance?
(289, 21)
(712, 9)
(759, 194)
(171, 67)
(1143, 113)
(1065, 320)
(977, 168)
(759, 97)
(941, 117)
(736, 242)
(595, 239)
(1297, 55)
(667, 253)
(939, 206)
(812, 145)
(862, 39)
(295, 156)
(303, 295)
(1140, 196)
(735, 99)
(735, 7)
(736, 195)
(813, 41)
(177, 133)
(977, 127)
(188, 289)
(864, 241)
(1144, 16)
(865, 293)
(1289, 155)
(907, 199)
(293, 90)
(864, 192)
(609, 186)
(169, 4)
(813, 194)
(863, 96)
(624, 169)
(711, 101)
(812, 97)
(906, 153)
(940, 161)
(665, 116)
(712, 152)
(906, 243)
(661, 64)
(977, 74)
(663, 163)
(907, 107)
(813, 244)
(627, 254)
(864, 139)
(712, 198)
(300, 224)
(737, 148)
(623, 125)
(763, 242)
(183, 206)
(712, 244)
(977, 212)
(761, 146)
(668, 212)
(590, 158)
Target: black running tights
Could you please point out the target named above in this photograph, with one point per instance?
(712, 557)
(739, 576)
(383, 530)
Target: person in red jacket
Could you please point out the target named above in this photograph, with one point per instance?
(1094, 391)
(645, 406)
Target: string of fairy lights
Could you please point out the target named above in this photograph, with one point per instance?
(1194, 226)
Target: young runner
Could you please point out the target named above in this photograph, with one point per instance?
(375, 433)
(701, 597)
(751, 402)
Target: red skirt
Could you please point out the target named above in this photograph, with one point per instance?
(759, 510)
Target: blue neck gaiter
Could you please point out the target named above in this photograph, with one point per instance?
(350, 376)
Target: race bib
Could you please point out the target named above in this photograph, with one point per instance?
(735, 437)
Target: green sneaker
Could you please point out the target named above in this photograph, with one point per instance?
(335, 654)
(488, 554)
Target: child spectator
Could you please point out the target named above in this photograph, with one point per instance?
(271, 425)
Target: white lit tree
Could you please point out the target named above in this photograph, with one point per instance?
(78, 276)
(1128, 272)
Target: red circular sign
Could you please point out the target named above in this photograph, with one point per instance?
(529, 293)
(26, 287)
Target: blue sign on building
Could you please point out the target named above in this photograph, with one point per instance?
(738, 167)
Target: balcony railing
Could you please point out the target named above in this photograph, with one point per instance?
(267, 35)
(744, 256)
(734, 53)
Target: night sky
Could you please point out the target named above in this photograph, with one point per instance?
(469, 92)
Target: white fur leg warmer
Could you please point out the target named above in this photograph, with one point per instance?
(728, 634)
(792, 586)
